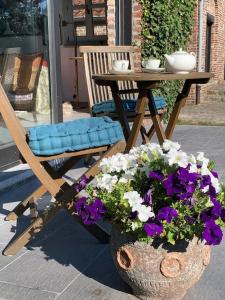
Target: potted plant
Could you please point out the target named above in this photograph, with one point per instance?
(167, 209)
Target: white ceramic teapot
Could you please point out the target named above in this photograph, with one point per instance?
(180, 62)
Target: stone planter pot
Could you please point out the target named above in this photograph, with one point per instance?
(159, 271)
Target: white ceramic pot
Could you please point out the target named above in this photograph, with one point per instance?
(180, 62)
(151, 63)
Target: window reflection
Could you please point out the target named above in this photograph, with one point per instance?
(24, 57)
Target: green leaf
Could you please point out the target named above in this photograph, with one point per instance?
(170, 238)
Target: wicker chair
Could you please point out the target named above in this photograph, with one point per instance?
(24, 82)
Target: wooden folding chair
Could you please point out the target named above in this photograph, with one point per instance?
(51, 180)
(98, 60)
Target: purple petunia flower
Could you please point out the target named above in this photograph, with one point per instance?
(153, 229)
(133, 215)
(222, 214)
(190, 220)
(81, 184)
(213, 212)
(156, 175)
(185, 176)
(97, 209)
(215, 174)
(212, 193)
(90, 213)
(212, 233)
(148, 197)
(81, 208)
(167, 213)
(169, 184)
(181, 184)
(205, 181)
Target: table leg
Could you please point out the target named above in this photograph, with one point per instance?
(137, 124)
(180, 101)
(119, 108)
(156, 119)
(152, 129)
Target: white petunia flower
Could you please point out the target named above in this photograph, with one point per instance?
(154, 151)
(134, 199)
(177, 157)
(123, 180)
(215, 183)
(117, 163)
(192, 159)
(106, 181)
(136, 151)
(169, 145)
(205, 170)
(201, 158)
(193, 164)
(193, 168)
(144, 213)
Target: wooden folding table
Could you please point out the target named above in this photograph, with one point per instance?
(146, 82)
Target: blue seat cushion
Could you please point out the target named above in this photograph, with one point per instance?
(128, 105)
(74, 135)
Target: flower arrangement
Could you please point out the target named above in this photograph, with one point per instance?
(157, 191)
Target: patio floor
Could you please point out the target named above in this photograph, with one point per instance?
(66, 262)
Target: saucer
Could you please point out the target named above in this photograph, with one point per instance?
(121, 72)
(153, 70)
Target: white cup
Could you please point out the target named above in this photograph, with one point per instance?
(120, 65)
(151, 63)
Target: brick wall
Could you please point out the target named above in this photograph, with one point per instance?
(136, 27)
(111, 22)
(217, 9)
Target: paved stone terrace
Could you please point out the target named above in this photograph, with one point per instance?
(208, 113)
(65, 262)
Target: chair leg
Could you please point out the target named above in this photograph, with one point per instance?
(34, 116)
(25, 204)
(65, 199)
(13, 247)
(39, 192)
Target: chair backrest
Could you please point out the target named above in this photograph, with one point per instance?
(18, 134)
(26, 73)
(7, 68)
(98, 60)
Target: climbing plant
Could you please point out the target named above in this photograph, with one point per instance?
(166, 27)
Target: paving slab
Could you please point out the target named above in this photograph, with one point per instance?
(10, 291)
(211, 286)
(57, 260)
(5, 261)
(100, 281)
(10, 198)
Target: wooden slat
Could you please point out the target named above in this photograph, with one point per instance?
(89, 80)
(70, 154)
(95, 71)
(91, 49)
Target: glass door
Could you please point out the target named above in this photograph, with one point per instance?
(90, 21)
(24, 66)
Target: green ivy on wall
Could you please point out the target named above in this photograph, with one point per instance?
(166, 27)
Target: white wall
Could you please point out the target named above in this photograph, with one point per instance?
(69, 80)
